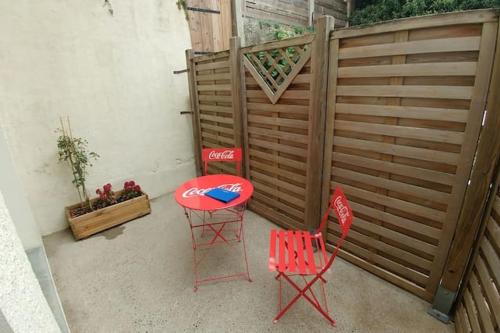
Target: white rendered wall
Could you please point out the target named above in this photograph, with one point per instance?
(113, 76)
(21, 300)
(14, 197)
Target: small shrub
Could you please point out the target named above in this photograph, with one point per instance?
(371, 11)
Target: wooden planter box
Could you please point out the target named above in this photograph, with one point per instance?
(108, 217)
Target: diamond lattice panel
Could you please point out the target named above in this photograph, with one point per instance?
(275, 69)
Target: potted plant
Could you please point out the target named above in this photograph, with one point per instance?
(109, 209)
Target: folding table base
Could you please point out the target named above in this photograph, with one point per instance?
(217, 228)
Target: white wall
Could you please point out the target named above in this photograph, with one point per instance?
(15, 199)
(113, 76)
(21, 300)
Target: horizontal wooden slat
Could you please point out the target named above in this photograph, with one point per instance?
(217, 128)
(401, 131)
(271, 214)
(216, 108)
(392, 185)
(212, 65)
(214, 76)
(396, 168)
(295, 176)
(377, 259)
(215, 98)
(278, 147)
(426, 69)
(444, 92)
(279, 108)
(397, 221)
(278, 159)
(278, 134)
(383, 273)
(224, 120)
(411, 112)
(395, 236)
(273, 181)
(299, 215)
(278, 121)
(398, 150)
(279, 194)
(223, 139)
(289, 94)
(214, 87)
(384, 200)
(305, 39)
(419, 22)
(412, 47)
(389, 249)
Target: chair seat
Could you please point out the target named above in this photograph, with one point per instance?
(293, 252)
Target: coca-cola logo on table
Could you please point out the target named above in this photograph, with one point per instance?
(221, 155)
(342, 210)
(194, 191)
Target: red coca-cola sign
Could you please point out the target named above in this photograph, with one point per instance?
(222, 154)
(342, 209)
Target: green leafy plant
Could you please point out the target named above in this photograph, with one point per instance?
(182, 5)
(371, 11)
(74, 151)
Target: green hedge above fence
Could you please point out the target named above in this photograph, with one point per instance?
(371, 11)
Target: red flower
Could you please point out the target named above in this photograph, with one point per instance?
(137, 188)
(107, 187)
(98, 191)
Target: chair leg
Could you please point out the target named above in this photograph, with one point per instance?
(302, 292)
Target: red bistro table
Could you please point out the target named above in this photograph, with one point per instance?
(213, 216)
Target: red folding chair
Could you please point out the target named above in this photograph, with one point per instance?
(291, 254)
(221, 155)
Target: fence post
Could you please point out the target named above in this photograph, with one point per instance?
(236, 95)
(317, 116)
(476, 197)
(193, 97)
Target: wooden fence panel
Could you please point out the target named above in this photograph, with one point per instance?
(276, 145)
(216, 100)
(405, 106)
(479, 307)
(283, 116)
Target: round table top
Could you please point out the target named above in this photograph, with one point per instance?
(191, 194)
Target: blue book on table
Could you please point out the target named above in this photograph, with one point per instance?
(222, 195)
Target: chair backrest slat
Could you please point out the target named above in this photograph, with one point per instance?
(222, 155)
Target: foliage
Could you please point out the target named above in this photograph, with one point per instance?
(106, 197)
(281, 32)
(75, 152)
(182, 5)
(371, 11)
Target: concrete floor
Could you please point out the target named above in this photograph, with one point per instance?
(138, 278)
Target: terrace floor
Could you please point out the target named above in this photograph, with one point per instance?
(137, 277)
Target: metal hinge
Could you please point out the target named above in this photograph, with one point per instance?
(203, 10)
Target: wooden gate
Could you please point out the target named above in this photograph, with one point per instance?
(405, 105)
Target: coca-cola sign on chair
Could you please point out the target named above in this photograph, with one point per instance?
(221, 155)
